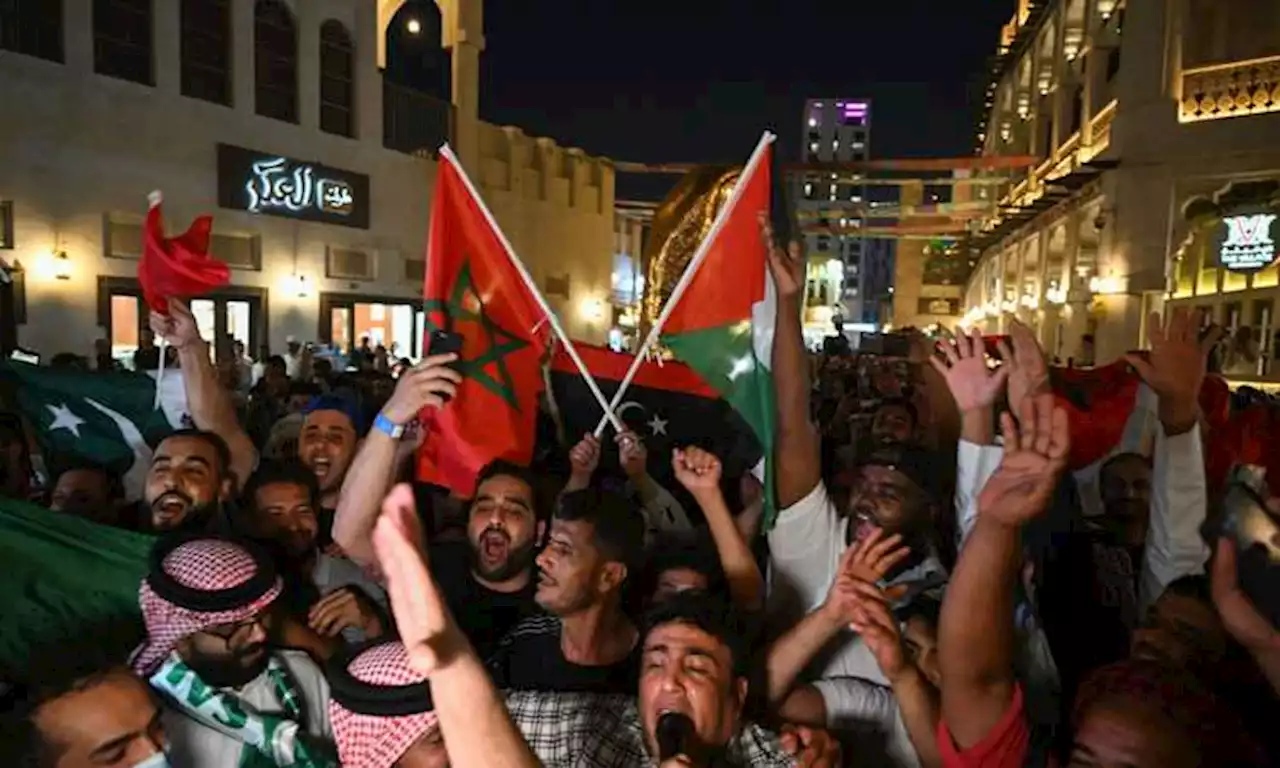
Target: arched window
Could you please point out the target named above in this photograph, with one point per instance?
(337, 80)
(275, 57)
(206, 50)
(122, 40)
(32, 27)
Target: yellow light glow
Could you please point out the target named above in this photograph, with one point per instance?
(592, 310)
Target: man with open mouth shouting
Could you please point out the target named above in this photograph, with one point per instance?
(488, 581)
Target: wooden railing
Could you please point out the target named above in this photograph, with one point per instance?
(1235, 89)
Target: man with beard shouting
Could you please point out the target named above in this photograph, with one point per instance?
(488, 581)
(189, 481)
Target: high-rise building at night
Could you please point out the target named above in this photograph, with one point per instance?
(836, 131)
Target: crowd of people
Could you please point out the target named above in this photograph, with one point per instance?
(931, 592)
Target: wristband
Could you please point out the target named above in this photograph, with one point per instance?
(388, 427)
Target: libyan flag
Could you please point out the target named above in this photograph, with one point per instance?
(108, 419)
(474, 289)
(722, 326)
(64, 577)
(667, 404)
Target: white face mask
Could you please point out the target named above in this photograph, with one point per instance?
(158, 760)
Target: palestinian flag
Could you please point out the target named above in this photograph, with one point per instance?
(64, 576)
(108, 419)
(474, 289)
(667, 404)
(722, 325)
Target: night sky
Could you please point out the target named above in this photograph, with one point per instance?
(697, 80)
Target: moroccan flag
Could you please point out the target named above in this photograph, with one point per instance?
(109, 419)
(474, 289)
(667, 404)
(63, 576)
(180, 267)
(722, 326)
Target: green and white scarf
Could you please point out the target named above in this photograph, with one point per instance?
(271, 741)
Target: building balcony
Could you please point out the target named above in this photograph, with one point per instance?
(1235, 89)
(414, 122)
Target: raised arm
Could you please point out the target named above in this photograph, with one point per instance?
(699, 471)
(796, 452)
(210, 405)
(473, 718)
(1175, 371)
(430, 384)
(976, 631)
(662, 512)
(862, 566)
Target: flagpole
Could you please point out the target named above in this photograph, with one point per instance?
(551, 318)
(690, 271)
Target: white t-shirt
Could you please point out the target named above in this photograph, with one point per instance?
(195, 745)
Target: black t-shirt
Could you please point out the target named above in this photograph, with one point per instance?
(485, 616)
(530, 659)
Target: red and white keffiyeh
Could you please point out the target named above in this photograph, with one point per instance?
(205, 565)
(376, 741)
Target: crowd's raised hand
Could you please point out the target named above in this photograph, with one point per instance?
(964, 367)
(1035, 454)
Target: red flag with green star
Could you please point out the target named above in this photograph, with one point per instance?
(473, 289)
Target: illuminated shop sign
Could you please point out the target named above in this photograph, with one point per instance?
(274, 185)
(1247, 242)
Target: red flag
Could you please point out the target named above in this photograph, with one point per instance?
(474, 289)
(180, 267)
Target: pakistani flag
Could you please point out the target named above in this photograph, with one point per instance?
(64, 576)
(110, 419)
(722, 324)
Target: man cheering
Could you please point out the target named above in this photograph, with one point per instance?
(232, 699)
(488, 582)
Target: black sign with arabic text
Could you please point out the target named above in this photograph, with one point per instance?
(275, 185)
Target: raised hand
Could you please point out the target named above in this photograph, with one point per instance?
(632, 454)
(786, 266)
(880, 631)
(178, 328)
(585, 457)
(426, 628)
(972, 383)
(697, 470)
(1175, 367)
(811, 747)
(1035, 453)
(873, 556)
(428, 384)
(1239, 616)
(341, 609)
(1026, 364)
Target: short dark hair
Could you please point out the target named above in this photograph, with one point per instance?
(53, 671)
(617, 526)
(1112, 461)
(115, 489)
(212, 438)
(304, 389)
(710, 613)
(696, 553)
(277, 361)
(504, 468)
(925, 607)
(290, 472)
(899, 402)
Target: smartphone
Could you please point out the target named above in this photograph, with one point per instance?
(1257, 535)
(442, 342)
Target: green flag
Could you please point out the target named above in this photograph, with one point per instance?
(109, 419)
(60, 576)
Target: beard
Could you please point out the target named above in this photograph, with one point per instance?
(230, 671)
(519, 559)
(196, 518)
